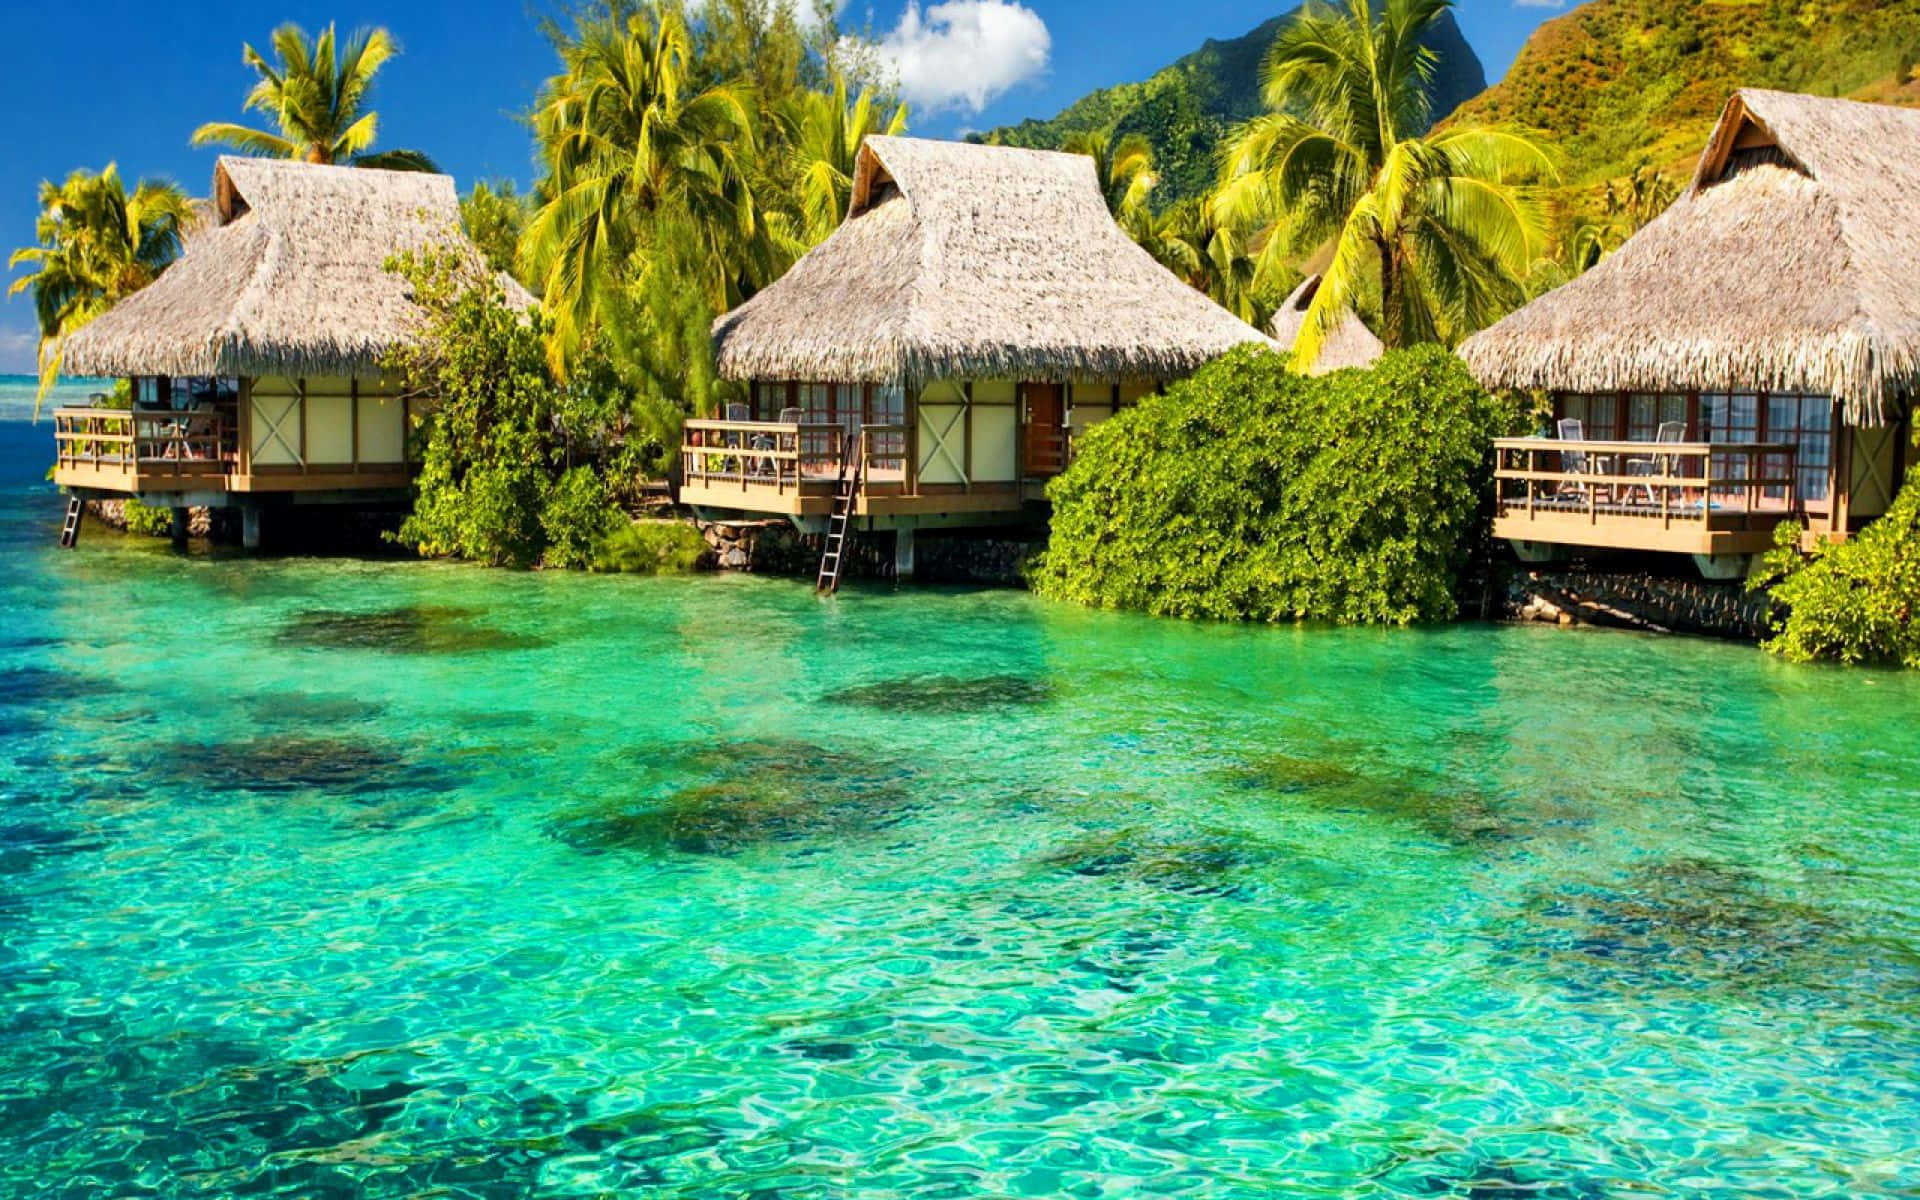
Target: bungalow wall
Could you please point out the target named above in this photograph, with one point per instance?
(328, 425)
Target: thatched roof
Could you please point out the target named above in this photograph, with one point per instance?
(285, 275)
(1351, 344)
(1786, 265)
(967, 261)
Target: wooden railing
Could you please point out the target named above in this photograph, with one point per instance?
(1668, 482)
(145, 442)
(788, 456)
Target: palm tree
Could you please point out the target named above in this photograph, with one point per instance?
(317, 94)
(826, 140)
(1207, 255)
(1125, 169)
(1441, 223)
(97, 245)
(626, 140)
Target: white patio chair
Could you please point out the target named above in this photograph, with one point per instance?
(1572, 462)
(1670, 433)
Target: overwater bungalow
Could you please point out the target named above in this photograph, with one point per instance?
(255, 358)
(931, 362)
(1351, 344)
(1746, 359)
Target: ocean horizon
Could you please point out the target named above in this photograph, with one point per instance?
(17, 391)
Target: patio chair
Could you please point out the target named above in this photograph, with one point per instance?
(1572, 462)
(1670, 433)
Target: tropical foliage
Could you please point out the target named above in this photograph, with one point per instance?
(688, 161)
(495, 215)
(316, 92)
(96, 243)
(1250, 492)
(1124, 167)
(517, 466)
(827, 132)
(1855, 602)
(1186, 111)
(1436, 229)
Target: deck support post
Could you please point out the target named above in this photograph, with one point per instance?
(250, 526)
(903, 553)
(182, 518)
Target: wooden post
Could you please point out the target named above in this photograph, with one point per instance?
(1840, 487)
(353, 417)
(966, 433)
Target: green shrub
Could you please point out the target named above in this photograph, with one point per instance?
(145, 520)
(1248, 492)
(1854, 602)
(498, 482)
(651, 548)
(577, 517)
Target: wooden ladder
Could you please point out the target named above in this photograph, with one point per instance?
(70, 532)
(833, 555)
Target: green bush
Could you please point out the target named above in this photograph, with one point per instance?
(1248, 492)
(577, 517)
(651, 548)
(500, 446)
(145, 520)
(1854, 602)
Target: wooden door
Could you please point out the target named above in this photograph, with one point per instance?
(1045, 431)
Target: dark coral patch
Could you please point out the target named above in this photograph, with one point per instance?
(411, 629)
(297, 708)
(1202, 864)
(946, 693)
(752, 793)
(1673, 924)
(30, 687)
(1458, 818)
(353, 766)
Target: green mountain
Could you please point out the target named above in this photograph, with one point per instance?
(1187, 109)
(1619, 83)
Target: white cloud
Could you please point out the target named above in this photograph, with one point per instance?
(964, 54)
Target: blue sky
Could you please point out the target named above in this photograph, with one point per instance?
(106, 80)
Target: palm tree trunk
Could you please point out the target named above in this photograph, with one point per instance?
(1392, 316)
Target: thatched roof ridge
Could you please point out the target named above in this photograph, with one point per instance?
(969, 261)
(1785, 266)
(1351, 344)
(285, 274)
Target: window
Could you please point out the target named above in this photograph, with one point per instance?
(1598, 415)
(199, 391)
(1807, 422)
(1730, 417)
(1646, 414)
(768, 400)
(887, 405)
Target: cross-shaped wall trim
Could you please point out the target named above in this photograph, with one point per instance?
(936, 442)
(266, 427)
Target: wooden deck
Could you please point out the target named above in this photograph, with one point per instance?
(136, 452)
(790, 469)
(1719, 498)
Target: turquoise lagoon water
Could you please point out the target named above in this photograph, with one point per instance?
(17, 393)
(331, 878)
